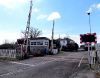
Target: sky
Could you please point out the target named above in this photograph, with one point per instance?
(70, 17)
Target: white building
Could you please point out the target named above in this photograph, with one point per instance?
(63, 42)
(39, 44)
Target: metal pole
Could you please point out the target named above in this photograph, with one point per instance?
(89, 45)
(89, 22)
(89, 57)
(90, 27)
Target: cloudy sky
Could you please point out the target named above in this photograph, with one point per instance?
(70, 16)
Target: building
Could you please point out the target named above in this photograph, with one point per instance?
(68, 44)
(39, 45)
(65, 41)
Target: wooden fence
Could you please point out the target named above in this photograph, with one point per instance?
(7, 53)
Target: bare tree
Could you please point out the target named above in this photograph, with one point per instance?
(34, 32)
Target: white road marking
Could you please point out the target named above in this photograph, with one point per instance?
(41, 63)
(21, 70)
(33, 65)
(10, 73)
(23, 64)
(80, 61)
(13, 72)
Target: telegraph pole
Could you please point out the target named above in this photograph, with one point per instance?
(28, 27)
(52, 35)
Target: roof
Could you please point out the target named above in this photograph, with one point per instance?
(65, 39)
(68, 39)
(40, 38)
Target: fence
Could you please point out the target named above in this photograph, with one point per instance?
(7, 53)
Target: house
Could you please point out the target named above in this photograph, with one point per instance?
(65, 41)
(68, 44)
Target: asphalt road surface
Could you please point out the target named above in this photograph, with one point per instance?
(52, 66)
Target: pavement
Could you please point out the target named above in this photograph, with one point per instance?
(63, 65)
(85, 74)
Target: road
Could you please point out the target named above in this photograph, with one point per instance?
(62, 65)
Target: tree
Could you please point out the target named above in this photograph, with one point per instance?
(8, 46)
(34, 32)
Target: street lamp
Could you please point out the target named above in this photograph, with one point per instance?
(89, 45)
(89, 21)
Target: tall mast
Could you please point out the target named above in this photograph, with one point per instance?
(52, 35)
(28, 26)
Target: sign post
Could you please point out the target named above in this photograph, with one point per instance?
(89, 39)
(89, 58)
(98, 52)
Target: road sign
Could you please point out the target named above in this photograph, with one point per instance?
(88, 38)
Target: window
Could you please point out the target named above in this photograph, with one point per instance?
(63, 41)
(33, 43)
(39, 43)
(46, 43)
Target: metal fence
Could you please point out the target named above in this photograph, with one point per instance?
(7, 53)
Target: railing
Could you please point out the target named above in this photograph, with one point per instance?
(7, 53)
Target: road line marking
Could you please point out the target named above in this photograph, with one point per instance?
(21, 70)
(13, 72)
(10, 73)
(30, 65)
(23, 64)
(80, 61)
